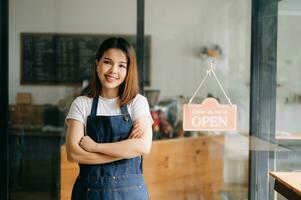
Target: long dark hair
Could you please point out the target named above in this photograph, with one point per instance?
(130, 87)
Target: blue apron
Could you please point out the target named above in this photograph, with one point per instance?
(117, 180)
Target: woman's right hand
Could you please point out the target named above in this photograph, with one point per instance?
(137, 131)
(87, 144)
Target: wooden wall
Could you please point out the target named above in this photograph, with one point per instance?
(178, 169)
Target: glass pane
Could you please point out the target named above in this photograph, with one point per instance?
(288, 65)
(185, 34)
(288, 129)
(289, 87)
(51, 54)
(52, 47)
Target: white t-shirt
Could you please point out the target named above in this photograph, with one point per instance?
(80, 109)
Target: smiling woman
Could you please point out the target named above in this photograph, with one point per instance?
(110, 129)
(116, 51)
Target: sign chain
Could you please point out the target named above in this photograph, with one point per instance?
(208, 73)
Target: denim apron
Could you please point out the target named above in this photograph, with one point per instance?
(117, 180)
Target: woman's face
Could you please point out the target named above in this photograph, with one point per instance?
(111, 70)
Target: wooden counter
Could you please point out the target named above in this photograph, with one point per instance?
(288, 184)
(184, 168)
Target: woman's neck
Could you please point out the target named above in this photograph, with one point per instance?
(109, 94)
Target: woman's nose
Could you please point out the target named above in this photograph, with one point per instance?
(114, 69)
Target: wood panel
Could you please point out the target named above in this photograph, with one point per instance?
(185, 168)
(188, 168)
(69, 172)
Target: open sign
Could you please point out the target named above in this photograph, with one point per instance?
(209, 116)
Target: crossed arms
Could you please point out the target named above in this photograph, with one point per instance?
(82, 149)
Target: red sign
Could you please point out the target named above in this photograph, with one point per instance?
(209, 116)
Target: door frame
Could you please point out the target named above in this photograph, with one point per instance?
(4, 99)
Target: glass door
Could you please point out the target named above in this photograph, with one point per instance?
(52, 47)
(185, 35)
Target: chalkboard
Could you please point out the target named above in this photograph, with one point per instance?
(65, 59)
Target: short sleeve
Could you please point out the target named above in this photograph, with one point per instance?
(76, 111)
(140, 108)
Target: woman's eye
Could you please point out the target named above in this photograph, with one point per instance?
(122, 66)
(106, 62)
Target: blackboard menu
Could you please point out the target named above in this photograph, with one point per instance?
(64, 59)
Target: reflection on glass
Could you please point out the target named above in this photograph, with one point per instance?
(288, 69)
(40, 96)
(288, 129)
(197, 164)
(181, 165)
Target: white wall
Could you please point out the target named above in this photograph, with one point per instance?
(179, 30)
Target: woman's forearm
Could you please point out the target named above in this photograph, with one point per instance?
(135, 145)
(129, 148)
(79, 155)
(125, 149)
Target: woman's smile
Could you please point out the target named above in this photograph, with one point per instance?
(110, 78)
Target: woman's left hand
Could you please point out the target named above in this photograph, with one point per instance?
(136, 132)
(87, 143)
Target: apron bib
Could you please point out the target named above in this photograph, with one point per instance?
(119, 180)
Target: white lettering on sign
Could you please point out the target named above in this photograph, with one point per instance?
(212, 121)
(209, 115)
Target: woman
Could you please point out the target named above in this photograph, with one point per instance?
(110, 128)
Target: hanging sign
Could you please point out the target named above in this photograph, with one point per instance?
(209, 116)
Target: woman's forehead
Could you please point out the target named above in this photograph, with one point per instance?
(115, 54)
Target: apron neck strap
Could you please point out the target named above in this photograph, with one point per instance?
(94, 106)
(124, 109)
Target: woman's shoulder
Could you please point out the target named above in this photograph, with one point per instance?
(139, 107)
(139, 102)
(83, 100)
(139, 98)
